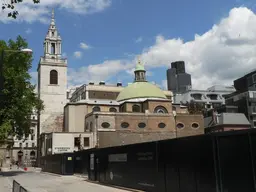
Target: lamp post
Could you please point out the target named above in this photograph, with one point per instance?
(38, 153)
(2, 55)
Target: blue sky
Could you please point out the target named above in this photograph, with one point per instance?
(161, 31)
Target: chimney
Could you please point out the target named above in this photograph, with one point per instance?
(102, 83)
(119, 84)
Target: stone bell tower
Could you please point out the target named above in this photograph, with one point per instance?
(52, 80)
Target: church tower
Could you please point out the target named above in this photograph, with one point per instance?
(52, 79)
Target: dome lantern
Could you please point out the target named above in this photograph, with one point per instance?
(140, 72)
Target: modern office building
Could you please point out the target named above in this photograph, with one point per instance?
(212, 97)
(178, 81)
(245, 96)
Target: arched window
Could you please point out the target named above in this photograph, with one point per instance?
(136, 108)
(160, 109)
(112, 109)
(96, 109)
(53, 48)
(53, 77)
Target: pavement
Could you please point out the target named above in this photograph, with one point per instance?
(43, 182)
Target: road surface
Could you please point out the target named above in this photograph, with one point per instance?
(43, 182)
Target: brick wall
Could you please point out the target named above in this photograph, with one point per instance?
(188, 120)
(107, 139)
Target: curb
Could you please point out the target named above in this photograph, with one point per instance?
(113, 186)
(53, 174)
(81, 176)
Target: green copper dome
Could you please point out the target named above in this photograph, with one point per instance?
(141, 90)
(139, 67)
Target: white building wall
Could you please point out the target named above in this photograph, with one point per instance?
(62, 143)
(53, 96)
(65, 142)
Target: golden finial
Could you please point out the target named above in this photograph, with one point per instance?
(139, 60)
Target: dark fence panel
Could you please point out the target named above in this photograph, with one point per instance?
(188, 164)
(235, 163)
(133, 166)
(68, 164)
(82, 162)
(59, 163)
(218, 162)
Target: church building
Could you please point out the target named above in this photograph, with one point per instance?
(101, 115)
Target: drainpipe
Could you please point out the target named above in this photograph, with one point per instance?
(174, 115)
(97, 131)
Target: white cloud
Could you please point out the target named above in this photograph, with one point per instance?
(97, 72)
(64, 55)
(78, 54)
(223, 53)
(220, 55)
(138, 40)
(30, 12)
(84, 46)
(28, 31)
(164, 84)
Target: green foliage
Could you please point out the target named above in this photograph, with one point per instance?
(18, 98)
(10, 6)
(195, 108)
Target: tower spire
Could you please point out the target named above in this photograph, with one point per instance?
(52, 43)
(53, 20)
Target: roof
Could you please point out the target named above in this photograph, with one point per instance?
(234, 119)
(95, 102)
(140, 90)
(143, 100)
(139, 67)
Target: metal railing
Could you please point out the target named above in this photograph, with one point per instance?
(16, 187)
(22, 189)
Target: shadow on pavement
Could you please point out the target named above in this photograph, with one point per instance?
(11, 173)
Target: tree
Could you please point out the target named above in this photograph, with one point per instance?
(18, 98)
(195, 108)
(10, 6)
